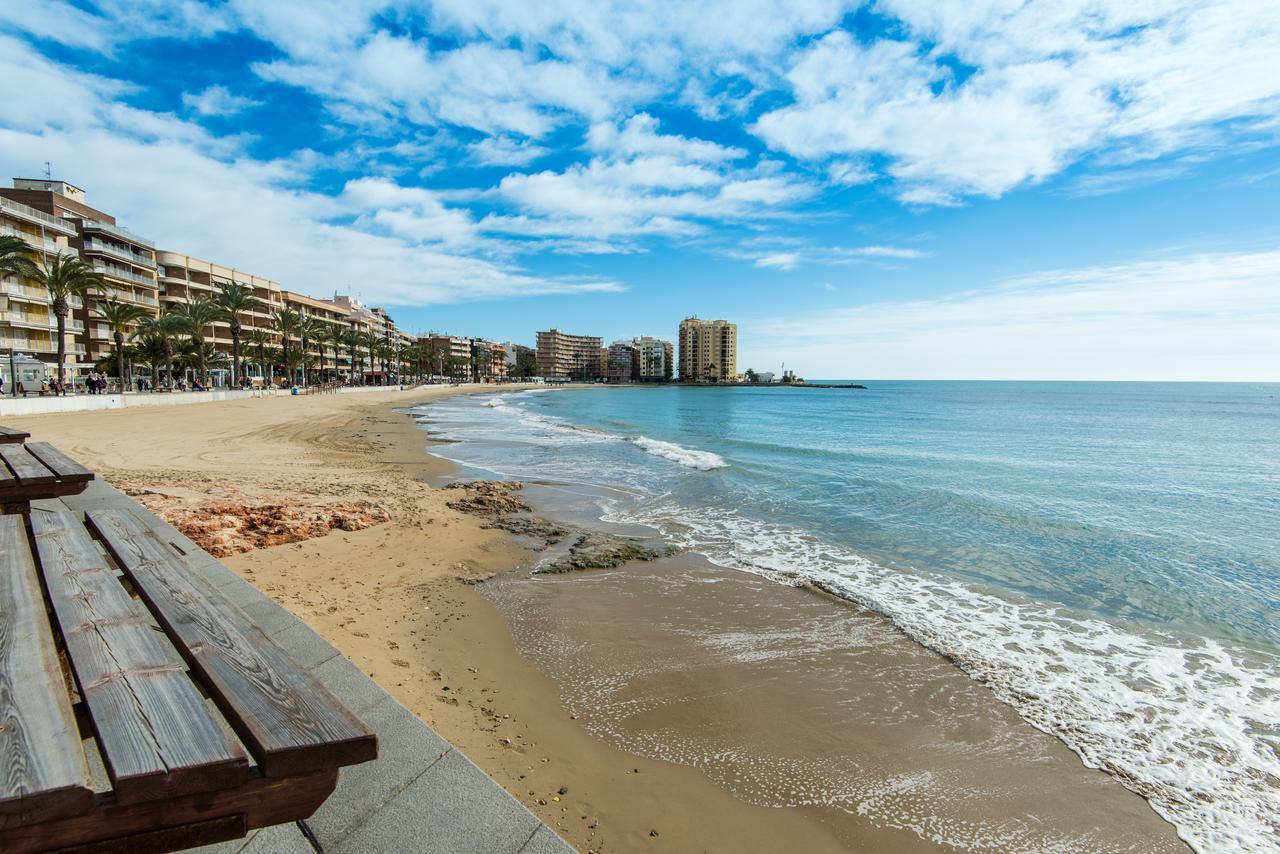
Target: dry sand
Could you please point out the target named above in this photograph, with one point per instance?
(398, 599)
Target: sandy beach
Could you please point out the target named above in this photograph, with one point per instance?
(505, 669)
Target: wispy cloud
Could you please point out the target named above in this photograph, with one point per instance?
(1204, 316)
(217, 101)
(779, 260)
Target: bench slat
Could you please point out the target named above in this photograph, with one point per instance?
(289, 721)
(59, 463)
(8, 434)
(158, 736)
(27, 469)
(43, 773)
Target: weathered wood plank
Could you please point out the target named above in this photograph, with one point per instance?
(27, 469)
(158, 737)
(43, 773)
(288, 720)
(19, 494)
(8, 434)
(59, 463)
(262, 801)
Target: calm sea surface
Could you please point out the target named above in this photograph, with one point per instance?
(1104, 556)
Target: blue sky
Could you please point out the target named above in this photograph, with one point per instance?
(988, 189)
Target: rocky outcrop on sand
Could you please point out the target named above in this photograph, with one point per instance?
(542, 531)
(233, 522)
(495, 500)
(488, 497)
(594, 550)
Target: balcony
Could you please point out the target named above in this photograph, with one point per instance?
(22, 344)
(28, 321)
(117, 231)
(25, 293)
(121, 252)
(124, 274)
(17, 210)
(44, 244)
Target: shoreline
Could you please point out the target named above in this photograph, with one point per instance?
(399, 600)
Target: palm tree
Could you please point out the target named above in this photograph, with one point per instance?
(168, 326)
(312, 330)
(13, 257)
(234, 299)
(195, 314)
(320, 334)
(287, 322)
(64, 278)
(498, 358)
(153, 349)
(352, 339)
(120, 316)
(260, 341)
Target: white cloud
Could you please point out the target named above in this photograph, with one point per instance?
(639, 136)
(217, 101)
(788, 258)
(779, 260)
(394, 245)
(879, 252)
(505, 151)
(1195, 317)
(1052, 83)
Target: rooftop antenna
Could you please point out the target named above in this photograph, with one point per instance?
(48, 171)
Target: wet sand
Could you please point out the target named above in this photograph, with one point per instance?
(792, 699)
(680, 707)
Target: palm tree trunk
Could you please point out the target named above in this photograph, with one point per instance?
(168, 363)
(235, 357)
(119, 339)
(60, 313)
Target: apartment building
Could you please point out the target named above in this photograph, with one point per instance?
(332, 316)
(126, 261)
(446, 348)
(495, 361)
(27, 323)
(562, 356)
(708, 350)
(651, 360)
(618, 365)
(184, 277)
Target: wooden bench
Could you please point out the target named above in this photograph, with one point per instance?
(8, 434)
(200, 726)
(36, 470)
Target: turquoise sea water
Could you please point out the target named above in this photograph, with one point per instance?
(1104, 556)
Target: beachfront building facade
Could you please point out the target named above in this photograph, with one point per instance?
(446, 352)
(185, 277)
(326, 353)
(27, 324)
(563, 357)
(708, 351)
(652, 360)
(126, 260)
(618, 367)
(491, 360)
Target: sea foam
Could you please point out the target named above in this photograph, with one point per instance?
(565, 430)
(1190, 724)
(701, 460)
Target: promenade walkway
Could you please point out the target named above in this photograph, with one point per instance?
(420, 795)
